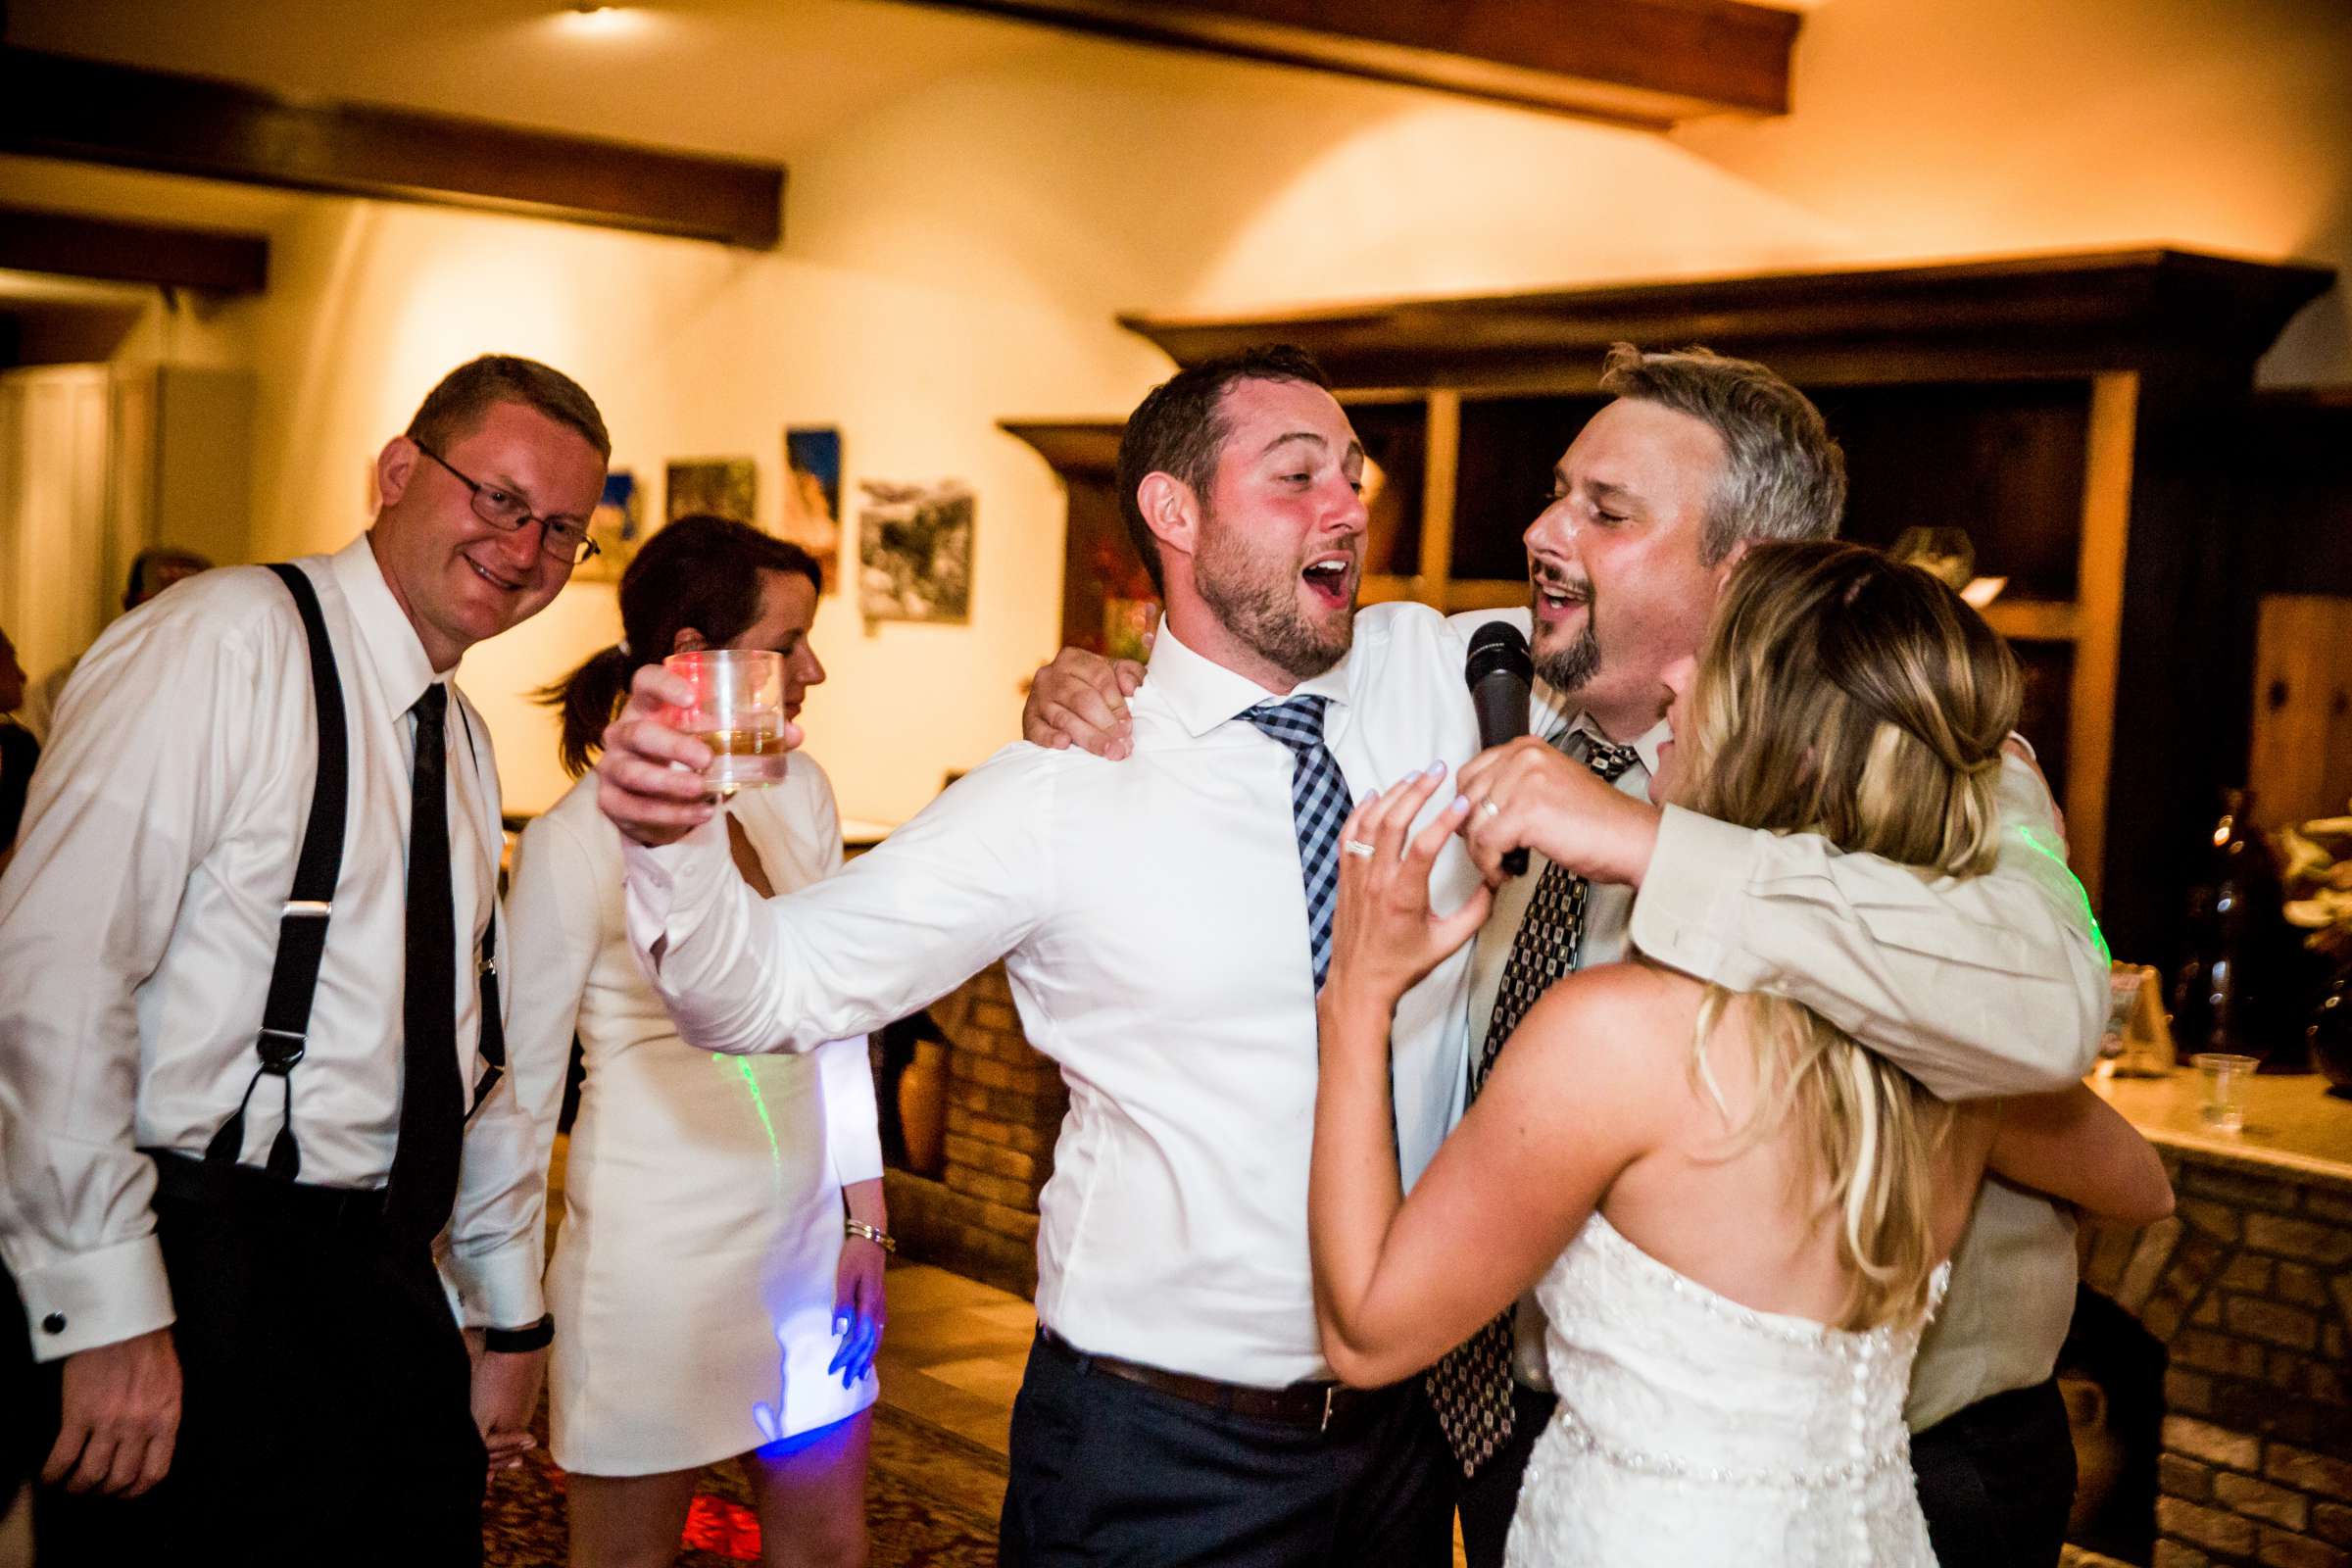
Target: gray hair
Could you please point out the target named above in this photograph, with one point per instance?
(1782, 478)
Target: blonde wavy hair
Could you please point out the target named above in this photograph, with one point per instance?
(1846, 695)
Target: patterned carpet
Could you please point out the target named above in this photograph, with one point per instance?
(931, 1502)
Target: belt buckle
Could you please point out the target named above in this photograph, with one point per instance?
(1331, 1396)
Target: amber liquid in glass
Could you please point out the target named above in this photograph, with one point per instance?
(743, 757)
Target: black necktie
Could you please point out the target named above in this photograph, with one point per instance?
(1471, 1388)
(432, 1118)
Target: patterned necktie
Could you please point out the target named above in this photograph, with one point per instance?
(1319, 807)
(424, 1186)
(1471, 1388)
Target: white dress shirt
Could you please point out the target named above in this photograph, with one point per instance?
(1153, 925)
(1977, 987)
(139, 922)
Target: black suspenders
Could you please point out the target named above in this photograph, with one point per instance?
(493, 1045)
(302, 928)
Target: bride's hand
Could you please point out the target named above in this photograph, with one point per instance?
(1384, 935)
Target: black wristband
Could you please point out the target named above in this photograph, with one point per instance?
(513, 1341)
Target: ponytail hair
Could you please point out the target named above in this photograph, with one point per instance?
(701, 571)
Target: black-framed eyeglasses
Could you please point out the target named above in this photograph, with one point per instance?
(565, 539)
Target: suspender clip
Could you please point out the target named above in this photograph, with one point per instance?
(1331, 1396)
(279, 1049)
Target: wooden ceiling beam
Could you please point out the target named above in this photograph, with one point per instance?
(213, 262)
(61, 106)
(1649, 63)
(2107, 310)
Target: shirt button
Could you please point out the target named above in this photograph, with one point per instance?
(54, 1323)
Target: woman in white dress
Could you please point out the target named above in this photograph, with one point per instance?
(1739, 1217)
(707, 1302)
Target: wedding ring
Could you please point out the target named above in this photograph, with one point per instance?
(1489, 809)
(1356, 847)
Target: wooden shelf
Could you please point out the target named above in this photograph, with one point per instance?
(2032, 620)
(1485, 593)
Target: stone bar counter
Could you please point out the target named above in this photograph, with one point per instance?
(2248, 1286)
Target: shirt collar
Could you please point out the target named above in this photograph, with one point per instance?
(1203, 694)
(1548, 711)
(388, 640)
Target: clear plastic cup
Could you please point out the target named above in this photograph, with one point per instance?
(2225, 1107)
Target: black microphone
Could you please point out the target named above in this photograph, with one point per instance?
(1499, 670)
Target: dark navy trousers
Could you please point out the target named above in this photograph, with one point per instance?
(1110, 1474)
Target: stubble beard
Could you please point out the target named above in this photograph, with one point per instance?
(1265, 616)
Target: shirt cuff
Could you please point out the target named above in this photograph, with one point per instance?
(497, 1290)
(88, 1299)
(660, 881)
(1680, 916)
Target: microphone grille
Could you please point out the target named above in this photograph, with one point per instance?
(1498, 646)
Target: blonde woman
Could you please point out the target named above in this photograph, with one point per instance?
(1738, 1218)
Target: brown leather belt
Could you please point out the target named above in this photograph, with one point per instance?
(1317, 1406)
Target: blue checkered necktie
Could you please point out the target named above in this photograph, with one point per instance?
(1319, 807)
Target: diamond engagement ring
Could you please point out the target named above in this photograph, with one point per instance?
(1356, 847)
(1489, 809)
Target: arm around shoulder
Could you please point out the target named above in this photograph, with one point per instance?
(1977, 986)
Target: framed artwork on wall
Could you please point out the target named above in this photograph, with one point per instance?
(812, 495)
(617, 526)
(727, 487)
(914, 551)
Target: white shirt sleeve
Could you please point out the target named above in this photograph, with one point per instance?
(853, 1129)
(956, 888)
(1980, 986)
(498, 1235)
(844, 1068)
(130, 799)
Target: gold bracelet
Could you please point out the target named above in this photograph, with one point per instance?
(871, 1233)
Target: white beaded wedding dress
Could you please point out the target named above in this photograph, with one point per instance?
(1693, 1431)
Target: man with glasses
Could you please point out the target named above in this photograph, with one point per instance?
(221, 1214)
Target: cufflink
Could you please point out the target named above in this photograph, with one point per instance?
(54, 1323)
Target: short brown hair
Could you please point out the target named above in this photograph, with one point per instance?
(1178, 429)
(1783, 477)
(148, 563)
(452, 410)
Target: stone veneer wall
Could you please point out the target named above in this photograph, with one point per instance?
(2249, 1286)
(1005, 1109)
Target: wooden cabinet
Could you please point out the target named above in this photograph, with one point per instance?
(2075, 413)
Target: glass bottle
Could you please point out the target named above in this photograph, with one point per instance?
(2233, 994)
